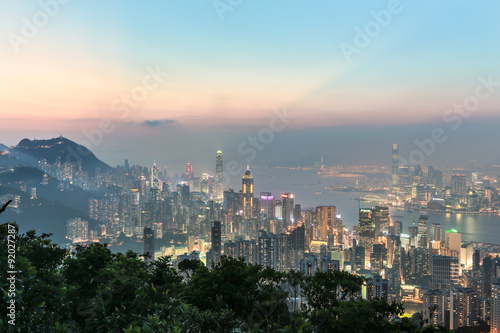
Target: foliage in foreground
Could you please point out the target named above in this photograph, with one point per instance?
(94, 290)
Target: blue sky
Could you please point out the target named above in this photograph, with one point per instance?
(226, 76)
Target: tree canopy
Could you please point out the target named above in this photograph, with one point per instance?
(94, 290)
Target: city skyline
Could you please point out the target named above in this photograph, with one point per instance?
(234, 165)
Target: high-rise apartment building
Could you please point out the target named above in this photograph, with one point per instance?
(219, 177)
(149, 244)
(247, 192)
(287, 209)
(216, 240)
(458, 185)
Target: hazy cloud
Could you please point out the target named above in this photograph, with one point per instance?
(157, 122)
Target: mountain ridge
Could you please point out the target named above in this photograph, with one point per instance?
(56, 149)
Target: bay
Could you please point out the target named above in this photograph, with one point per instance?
(309, 190)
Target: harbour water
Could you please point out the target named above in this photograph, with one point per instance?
(309, 190)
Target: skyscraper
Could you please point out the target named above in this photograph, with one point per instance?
(458, 185)
(366, 235)
(267, 204)
(376, 287)
(495, 307)
(423, 231)
(380, 219)
(149, 244)
(287, 209)
(247, 183)
(216, 240)
(444, 271)
(188, 171)
(453, 240)
(395, 164)
(436, 232)
(155, 180)
(219, 178)
(326, 217)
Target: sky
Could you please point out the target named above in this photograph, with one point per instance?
(174, 81)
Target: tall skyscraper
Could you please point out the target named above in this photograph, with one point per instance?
(326, 217)
(380, 219)
(453, 240)
(458, 185)
(216, 240)
(155, 179)
(437, 299)
(247, 183)
(444, 271)
(423, 231)
(267, 204)
(287, 209)
(395, 164)
(366, 234)
(495, 307)
(436, 232)
(149, 244)
(188, 171)
(219, 177)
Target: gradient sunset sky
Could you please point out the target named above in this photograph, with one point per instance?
(228, 71)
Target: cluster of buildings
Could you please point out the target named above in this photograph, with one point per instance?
(456, 283)
(466, 193)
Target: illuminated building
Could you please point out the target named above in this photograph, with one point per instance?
(326, 217)
(268, 248)
(183, 194)
(313, 263)
(366, 234)
(445, 271)
(378, 258)
(219, 177)
(464, 307)
(473, 201)
(380, 217)
(359, 257)
(458, 185)
(216, 240)
(297, 213)
(287, 209)
(247, 184)
(495, 307)
(436, 233)
(188, 171)
(155, 180)
(423, 231)
(267, 204)
(466, 253)
(395, 164)
(434, 177)
(436, 299)
(77, 229)
(376, 287)
(149, 244)
(33, 193)
(453, 240)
